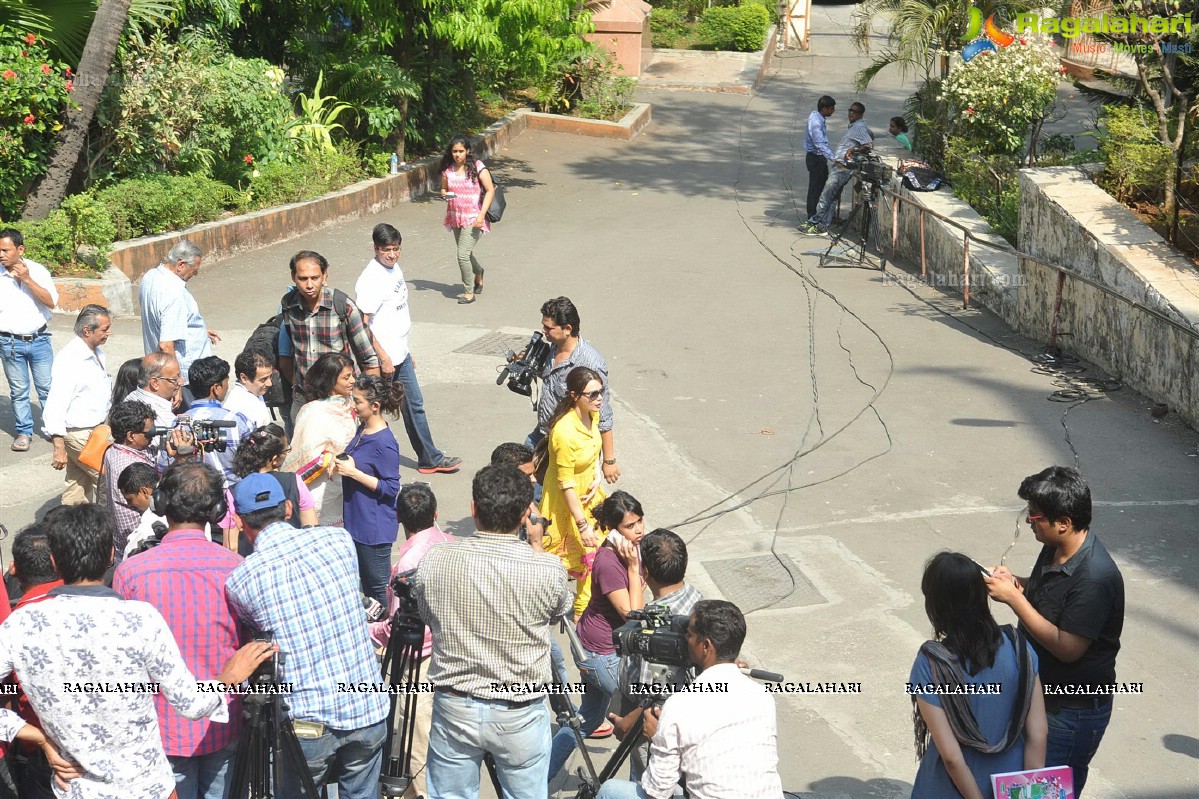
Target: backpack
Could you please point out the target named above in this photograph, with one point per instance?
(265, 339)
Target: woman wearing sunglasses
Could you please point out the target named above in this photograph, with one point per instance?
(570, 455)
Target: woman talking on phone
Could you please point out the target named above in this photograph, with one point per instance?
(467, 186)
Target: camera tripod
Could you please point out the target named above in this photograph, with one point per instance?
(401, 667)
(267, 747)
(865, 208)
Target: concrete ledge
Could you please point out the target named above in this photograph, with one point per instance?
(632, 123)
(225, 237)
(112, 290)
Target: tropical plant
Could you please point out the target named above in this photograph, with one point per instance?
(312, 130)
(34, 94)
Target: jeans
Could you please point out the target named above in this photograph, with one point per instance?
(203, 776)
(466, 729)
(415, 422)
(622, 789)
(600, 673)
(465, 238)
(20, 359)
(832, 193)
(1074, 736)
(355, 756)
(374, 567)
(817, 176)
(558, 662)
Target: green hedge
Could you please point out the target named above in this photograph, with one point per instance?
(740, 28)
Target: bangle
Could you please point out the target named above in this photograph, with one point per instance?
(609, 461)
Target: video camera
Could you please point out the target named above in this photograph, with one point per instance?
(521, 372)
(655, 635)
(267, 672)
(205, 433)
(869, 168)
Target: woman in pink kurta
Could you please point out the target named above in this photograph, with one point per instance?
(468, 188)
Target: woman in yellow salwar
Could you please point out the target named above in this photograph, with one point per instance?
(572, 480)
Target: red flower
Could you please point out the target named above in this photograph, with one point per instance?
(29, 119)
(970, 111)
(249, 159)
(45, 69)
(69, 73)
(69, 85)
(1023, 41)
(9, 74)
(30, 38)
(24, 54)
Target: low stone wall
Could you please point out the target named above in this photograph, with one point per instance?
(632, 123)
(1065, 219)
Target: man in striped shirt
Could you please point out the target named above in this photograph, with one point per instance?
(184, 578)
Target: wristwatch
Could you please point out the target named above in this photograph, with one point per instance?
(609, 461)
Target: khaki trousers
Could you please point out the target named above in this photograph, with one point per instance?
(80, 481)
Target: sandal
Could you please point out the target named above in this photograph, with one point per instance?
(20, 444)
(466, 299)
(604, 730)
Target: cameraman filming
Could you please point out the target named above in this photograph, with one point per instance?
(718, 738)
(856, 140)
(560, 324)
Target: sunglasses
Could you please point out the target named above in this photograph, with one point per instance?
(593, 395)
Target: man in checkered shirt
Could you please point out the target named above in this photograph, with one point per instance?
(489, 601)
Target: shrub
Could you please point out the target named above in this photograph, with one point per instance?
(153, 205)
(987, 182)
(668, 26)
(740, 28)
(34, 95)
(190, 109)
(1135, 162)
(279, 183)
(603, 94)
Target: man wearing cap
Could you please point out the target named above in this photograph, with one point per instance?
(27, 296)
(302, 586)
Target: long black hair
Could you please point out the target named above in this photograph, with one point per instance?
(576, 381)
(447, 158)
(126, 380)
(955, 599)
(258, 449)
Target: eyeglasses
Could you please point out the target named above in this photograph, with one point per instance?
(1032, 517)
(593, 395)
(174, 381)
(389, 250)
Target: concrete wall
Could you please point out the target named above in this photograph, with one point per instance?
(1065, 219)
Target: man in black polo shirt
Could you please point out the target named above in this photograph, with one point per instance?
(1072, 609)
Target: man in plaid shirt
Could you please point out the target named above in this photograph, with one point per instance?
(302, 586)
(184, 577)
(489, 601)
(318, 319)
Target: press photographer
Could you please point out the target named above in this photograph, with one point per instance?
(208, 379)
(719, 737)
(302, 585)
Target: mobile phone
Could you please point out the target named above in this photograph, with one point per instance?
(448, 195)
(343, 457)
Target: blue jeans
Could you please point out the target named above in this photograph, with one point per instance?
(203, 776)
(465, 729)
(356, 758)
(600, 673)
(374, 567)
(415, 422)
(1074, 736)
(622, 789)
(20, 359)
(828, 198)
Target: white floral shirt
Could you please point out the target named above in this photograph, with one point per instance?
(90, 663)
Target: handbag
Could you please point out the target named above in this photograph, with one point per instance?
(98, 442)
(496, 212)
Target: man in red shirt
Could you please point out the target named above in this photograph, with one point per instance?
(184, 578)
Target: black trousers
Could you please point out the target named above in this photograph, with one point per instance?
(817, 177)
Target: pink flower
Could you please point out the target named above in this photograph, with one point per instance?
(970, 111)
(69, 73)
(30, 38)
(249, 159)
(69, 85)
(45, 69)
(29, 119)
(9, 74)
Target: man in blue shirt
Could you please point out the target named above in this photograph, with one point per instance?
(856, 140)
(208, 380)
(817, 152)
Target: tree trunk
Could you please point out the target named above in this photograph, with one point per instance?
(94, 65)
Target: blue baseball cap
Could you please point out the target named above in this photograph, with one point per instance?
(257, 491)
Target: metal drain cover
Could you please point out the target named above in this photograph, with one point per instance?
(763, 581)
(495, 344)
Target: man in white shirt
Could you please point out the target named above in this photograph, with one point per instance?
(719, 737)
(159, 382)
(253, 370)
(80, 393)
(27, 296)
(382, 296)
(171, 320)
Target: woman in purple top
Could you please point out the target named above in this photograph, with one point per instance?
(370, 481)
(616, 589)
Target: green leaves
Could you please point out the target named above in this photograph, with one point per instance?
(313, 129)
